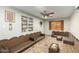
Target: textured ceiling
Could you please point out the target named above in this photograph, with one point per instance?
(60, 11)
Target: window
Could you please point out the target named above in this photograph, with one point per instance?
(56, 25)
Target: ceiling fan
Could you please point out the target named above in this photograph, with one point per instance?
(46, 14)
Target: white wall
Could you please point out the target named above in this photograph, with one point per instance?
(66, 26)
(74, 21)
(16, 26)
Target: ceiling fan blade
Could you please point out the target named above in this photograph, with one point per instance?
(51, 13)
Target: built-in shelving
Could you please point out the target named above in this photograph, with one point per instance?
(26, 23)
(30, 24)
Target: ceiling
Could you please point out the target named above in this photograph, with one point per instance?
(60, 11)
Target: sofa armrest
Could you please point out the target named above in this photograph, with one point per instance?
(4, 49)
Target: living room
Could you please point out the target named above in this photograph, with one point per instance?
(32, 25)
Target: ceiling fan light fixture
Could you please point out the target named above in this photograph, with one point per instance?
(44, 17)
(50, 15)
(46, 14)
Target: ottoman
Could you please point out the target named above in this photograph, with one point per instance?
(54, 48)
(59, 38)
(68, 41)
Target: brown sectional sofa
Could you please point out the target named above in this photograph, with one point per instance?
(68, 38)
(37, 36)
(18, 44)
(56, 33)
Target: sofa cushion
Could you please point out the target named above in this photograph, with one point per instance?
(33, 36)
(38, 34)
(13, 38)
(4, 49)
(3, 46)
(23, 38)
(27, 37)
(13, 42)
(20, 46)
(4, 42)
(67, 40)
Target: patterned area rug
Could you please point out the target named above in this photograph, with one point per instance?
(43, 46)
